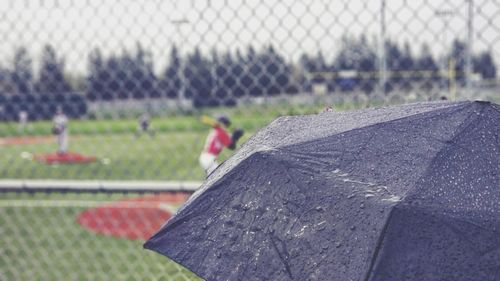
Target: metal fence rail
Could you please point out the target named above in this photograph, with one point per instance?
(132, 81)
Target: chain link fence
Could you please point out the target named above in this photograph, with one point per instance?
(131, 82)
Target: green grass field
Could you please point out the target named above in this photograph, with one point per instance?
(167, 156)
(171, 155)
(46, 243)
(248, 118)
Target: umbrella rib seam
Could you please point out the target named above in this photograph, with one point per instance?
(461, 129)
(378, 247)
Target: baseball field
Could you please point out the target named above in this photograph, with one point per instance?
(49, 236)
(171, 154)
(96, 236)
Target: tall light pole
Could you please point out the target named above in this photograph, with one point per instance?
(382, 53)
(468, 58)
(445, 14)
(178, 23)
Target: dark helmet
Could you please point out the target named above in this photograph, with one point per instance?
(224, 120)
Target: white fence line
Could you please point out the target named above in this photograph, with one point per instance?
(89, 185)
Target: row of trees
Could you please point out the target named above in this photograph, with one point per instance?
(222, 77)
(38, 96)
(207, 80)
(20, 78)
(402, 65)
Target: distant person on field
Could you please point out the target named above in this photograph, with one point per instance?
(328, 109)
(23, 121)
(144, 125)
(217, 139)
(60, 129)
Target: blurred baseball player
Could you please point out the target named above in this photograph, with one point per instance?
(60, 129)
(23, 121)
(144, 125)
(217, 139)
(328, 109)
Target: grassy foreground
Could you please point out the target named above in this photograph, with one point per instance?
(46, 243)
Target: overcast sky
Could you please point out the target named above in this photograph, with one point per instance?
(75, 27)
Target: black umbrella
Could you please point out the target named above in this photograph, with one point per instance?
(400, 193)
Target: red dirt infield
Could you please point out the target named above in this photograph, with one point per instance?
(26, 140)
(64, 158)
(136, 219)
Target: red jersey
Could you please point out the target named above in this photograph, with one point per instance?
(216, 141)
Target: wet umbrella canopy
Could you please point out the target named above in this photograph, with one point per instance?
(400, 193)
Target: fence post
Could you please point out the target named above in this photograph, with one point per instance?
(468, 55)
(382, 53)
(452, 79)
